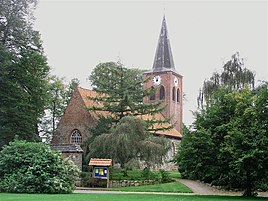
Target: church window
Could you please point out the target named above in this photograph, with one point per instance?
(152, 97)
(162, 93)
(178, 95)
(173, 93)
(76, 137)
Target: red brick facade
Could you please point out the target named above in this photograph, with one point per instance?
(173, 108)
(75, 117)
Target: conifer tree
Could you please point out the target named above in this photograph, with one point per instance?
(23, 72)
(121, 93)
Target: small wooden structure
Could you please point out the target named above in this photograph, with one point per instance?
(101, 168)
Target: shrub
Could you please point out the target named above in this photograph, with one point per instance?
(165, 177)
(94, 182)
(28, 167)
(148, 174)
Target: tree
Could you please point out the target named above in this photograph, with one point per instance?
(23, 74)
(28, 167)
(73, 84)
(247, 140)
(59, 96)
(129, 140)
(228, 146)
(23, 95)
(16, 26)
(234, 76)
(121, 93)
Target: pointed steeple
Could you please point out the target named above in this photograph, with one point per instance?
(163, 60)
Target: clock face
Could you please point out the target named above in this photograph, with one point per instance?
(157, 80)
(176, 82)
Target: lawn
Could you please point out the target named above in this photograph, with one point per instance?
(173, 187)
(118, 197)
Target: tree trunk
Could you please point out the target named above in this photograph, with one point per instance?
(249, 192)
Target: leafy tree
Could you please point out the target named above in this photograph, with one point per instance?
(23, 94)
(28, 167)
(122, 93)
(73, 84)
(228, 146)
(234, 76)
(247, 141)
(16, 21)
(23, 73)
(129, 140)
(59, 96)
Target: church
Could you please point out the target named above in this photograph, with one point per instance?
(73, 127)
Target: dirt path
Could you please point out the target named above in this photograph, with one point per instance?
(203, 189)
(197, 187)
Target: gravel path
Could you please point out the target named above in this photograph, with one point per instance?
(197, 187)
(203, 189)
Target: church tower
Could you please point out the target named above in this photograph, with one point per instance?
(164, 77)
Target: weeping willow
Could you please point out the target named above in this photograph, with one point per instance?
(234, 77)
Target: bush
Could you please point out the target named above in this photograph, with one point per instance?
(94, 182)
(28, 167)
(165, 177)
(148, 174)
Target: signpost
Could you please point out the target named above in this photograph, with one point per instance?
(101, 168)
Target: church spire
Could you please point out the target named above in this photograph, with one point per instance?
(163, 60)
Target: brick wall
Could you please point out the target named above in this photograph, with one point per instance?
(173, 108)
(75, 117)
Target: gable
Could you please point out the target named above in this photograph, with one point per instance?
(75, 112)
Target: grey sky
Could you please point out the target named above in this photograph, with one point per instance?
(77, 35)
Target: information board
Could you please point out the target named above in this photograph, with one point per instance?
(100, 172)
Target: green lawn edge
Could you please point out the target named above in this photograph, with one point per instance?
(119, 197)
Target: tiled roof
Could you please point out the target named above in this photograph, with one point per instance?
(67, 148)
(85, 93)
(171, 132)
(100, 162)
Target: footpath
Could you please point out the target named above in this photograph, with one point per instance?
(197, 187)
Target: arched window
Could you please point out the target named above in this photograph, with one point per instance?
(162, 93)
(178, 95)
(76, 137)
(173, 93)
(152, 97)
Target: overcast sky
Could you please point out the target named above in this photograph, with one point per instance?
(77, 35)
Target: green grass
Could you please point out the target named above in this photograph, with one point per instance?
(118, 197)
(174, 174)
(174, 187)
(117, 174)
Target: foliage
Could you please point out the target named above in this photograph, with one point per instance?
(16, 25)
(129, 140)
(234, 76)
(165, 176)
(148, 174)
(59, 95)
(121, 93)
(228, 146)
(116, 174)
(23, 73)
(28, 167)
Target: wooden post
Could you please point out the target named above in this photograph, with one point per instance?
(108, 174)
